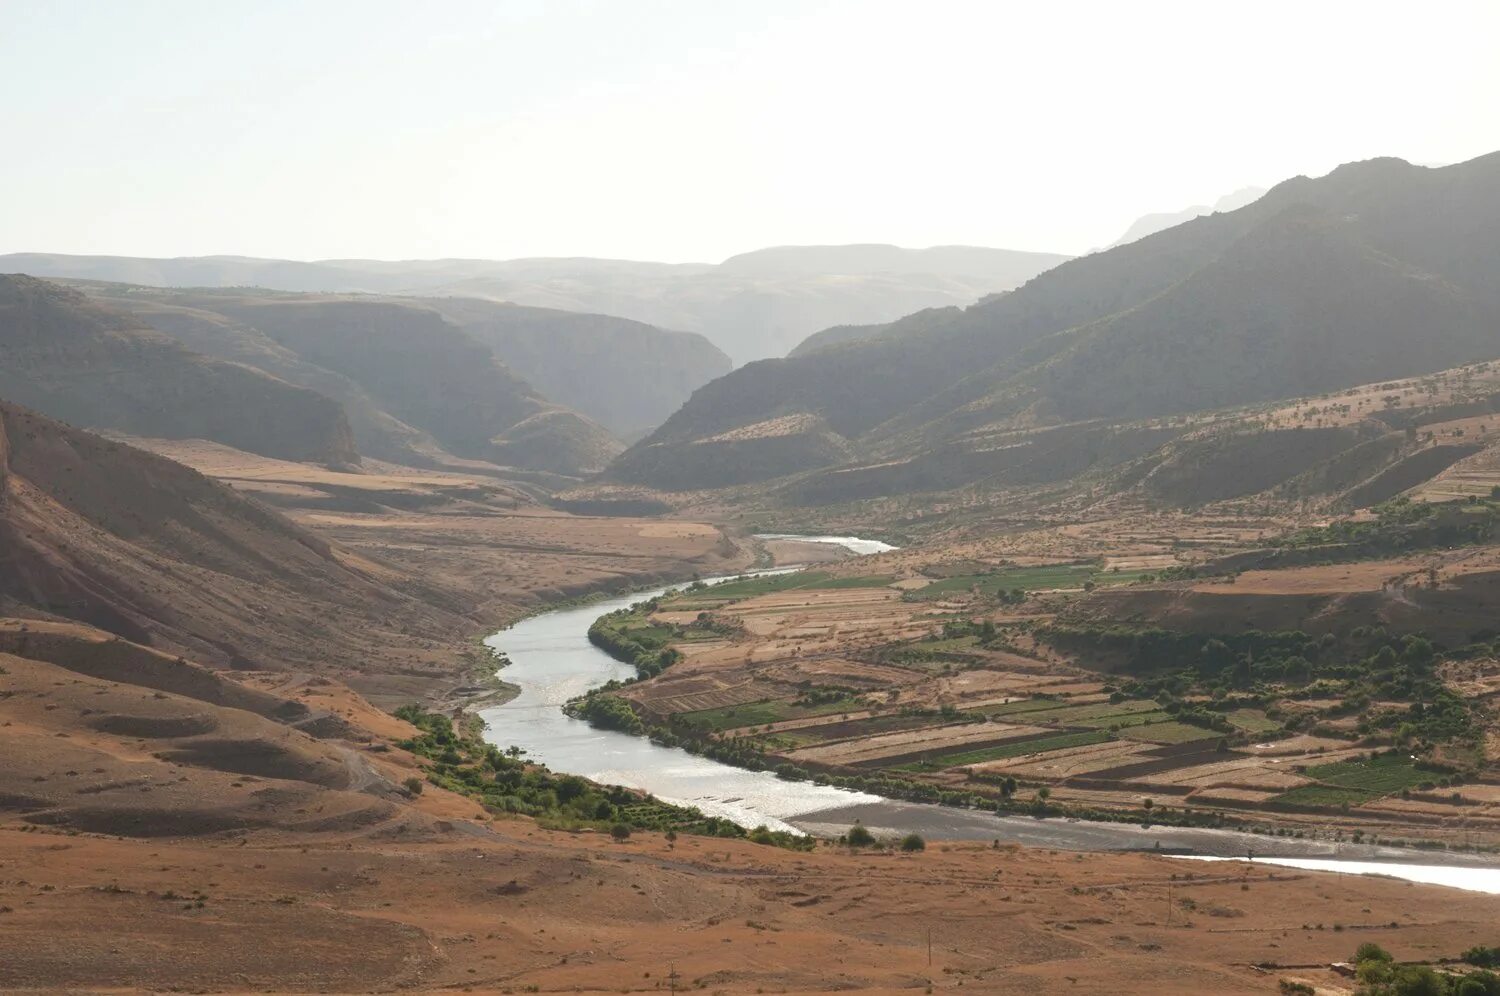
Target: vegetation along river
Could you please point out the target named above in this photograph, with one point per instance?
(552, 661)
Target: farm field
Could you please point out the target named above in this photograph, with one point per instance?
(926, 669)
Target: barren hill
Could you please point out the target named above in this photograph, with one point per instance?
(94, 365)
(135, 544)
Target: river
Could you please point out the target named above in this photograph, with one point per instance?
(552, 661)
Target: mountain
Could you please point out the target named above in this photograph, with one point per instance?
(627, 375)
(105, 534)
(755, 305)
(419, 389)
(1150, 224)
(1379, 270)
(94, 365)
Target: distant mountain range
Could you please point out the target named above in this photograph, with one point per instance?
(1150, 224)
(756, 305)
(328, 378)
(1379, 270)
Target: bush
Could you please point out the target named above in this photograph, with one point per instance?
(620, 831)
(858, 836)
(1370, 951)
(413, 785)
(913, 842)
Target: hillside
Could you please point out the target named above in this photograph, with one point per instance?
(109, 535)
(94, 365)
(755, 305)
(1379, 270)
(419, 389)
(626, 375)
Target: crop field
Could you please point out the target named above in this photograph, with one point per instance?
(1356, 782)
(1252, 721)
(761, 713)
(999, 752)
(1100, 713)
(1170, 732)
(1042, 578)
(770, 583)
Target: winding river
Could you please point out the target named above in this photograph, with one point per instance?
(552, 661)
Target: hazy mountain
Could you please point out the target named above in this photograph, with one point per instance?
(627, 375)
(421, 370)
(1150, 224)
(755, 305)
(1380, 269)
(93, 365)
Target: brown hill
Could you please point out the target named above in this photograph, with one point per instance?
(86, 363)
(132, 543)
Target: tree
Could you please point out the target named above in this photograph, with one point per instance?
(1370, 951)
(413, 785)
(913, 842)
(858, 836)
(620, 831)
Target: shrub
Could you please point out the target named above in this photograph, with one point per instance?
(413, 785)
(913, 842)
(858, 836)
(620, 831)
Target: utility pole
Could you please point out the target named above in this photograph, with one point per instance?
(929, 945)
(672, 978)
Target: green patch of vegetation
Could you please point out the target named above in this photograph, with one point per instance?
(1169, 732)
(1323, 795)
(769, 711)
(767, 584)
(1383, 774)
(504, 783)
(1040, 745)
(1400, 526)
(630, 636)
(1252, 721)
(1010, 584)
(1210, 680)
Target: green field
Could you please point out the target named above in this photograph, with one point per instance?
(1028, 579)
(1018, 749)
(1252, 721)
(1323, 795)
(1170, 732)
(1383, 775)
(761, 713)
(1106, 712)
(1356, 782)
(798, 580)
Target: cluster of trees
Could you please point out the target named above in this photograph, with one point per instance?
(628, 636)
(1401, 525)
(504, 782)
(1255, 667)
(1379, 974)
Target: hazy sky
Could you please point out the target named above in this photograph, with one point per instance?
(696, 129)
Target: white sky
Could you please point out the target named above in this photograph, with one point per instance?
(696, 129)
